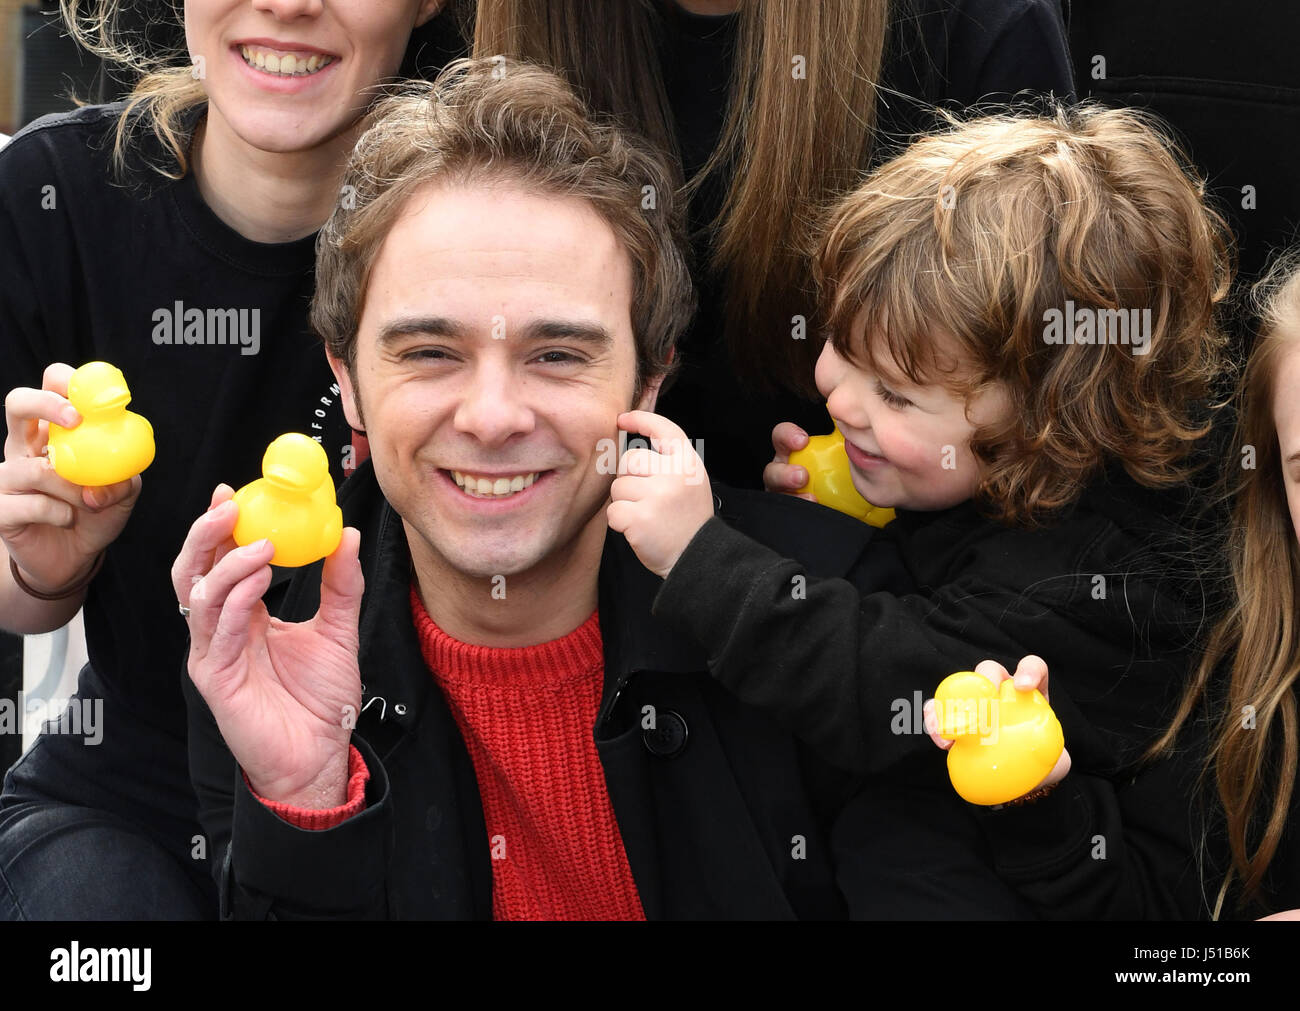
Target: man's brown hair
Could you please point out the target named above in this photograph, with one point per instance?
(497, 120)
(972, 236)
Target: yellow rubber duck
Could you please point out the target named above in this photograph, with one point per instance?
(292, 504)
(830, 480)
(111, 444)
(1006, 741)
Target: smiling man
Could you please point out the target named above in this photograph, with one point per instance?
(468, 710)
(485, 419)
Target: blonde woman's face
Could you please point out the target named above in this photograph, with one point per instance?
(291, 75)
(1286, 415)
(908, 445)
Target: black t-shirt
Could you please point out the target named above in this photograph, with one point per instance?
(138, 275)
(953, 52)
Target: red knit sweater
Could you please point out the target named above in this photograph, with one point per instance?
(526, 716)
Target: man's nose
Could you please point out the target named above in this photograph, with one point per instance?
(492, 407)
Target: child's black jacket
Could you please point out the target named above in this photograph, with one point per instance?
(1107, 595)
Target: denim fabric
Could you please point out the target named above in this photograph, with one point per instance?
(104, 831)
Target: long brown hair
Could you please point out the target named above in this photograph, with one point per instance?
(1256, 740)
(790, 142)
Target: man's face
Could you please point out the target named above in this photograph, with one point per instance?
(494, 355)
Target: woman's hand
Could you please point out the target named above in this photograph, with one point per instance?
(53, 529)
(779, 475)
(285, 695)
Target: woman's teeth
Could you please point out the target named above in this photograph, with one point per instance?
(487, 487)
(287, 65)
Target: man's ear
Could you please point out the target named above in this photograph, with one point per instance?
(428, 9)
(347, 392)
(650, 393)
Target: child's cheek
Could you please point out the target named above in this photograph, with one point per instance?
(915, 455)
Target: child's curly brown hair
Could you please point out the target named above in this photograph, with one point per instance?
(979, 232)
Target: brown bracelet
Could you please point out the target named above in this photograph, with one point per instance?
(1029, 798)
(67, 591)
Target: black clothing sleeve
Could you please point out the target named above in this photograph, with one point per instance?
(834, 664)
(267, 869)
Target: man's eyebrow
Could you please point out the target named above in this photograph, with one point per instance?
(584, 331)
(426, 326)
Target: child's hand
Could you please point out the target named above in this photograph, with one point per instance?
(1031, 672)
(779, 475)
(662, 496)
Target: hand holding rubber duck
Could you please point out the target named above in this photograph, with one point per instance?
(112, 444)
(53, 529)
(285, 695)
(781, 475)
(816, 468)
(996, 768)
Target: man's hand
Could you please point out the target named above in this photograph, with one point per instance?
(285, 696)
(1031, 672)
(779, 475)
(662, 496)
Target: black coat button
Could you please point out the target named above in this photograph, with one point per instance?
(668, 738)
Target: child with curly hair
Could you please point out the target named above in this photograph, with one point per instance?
(1022, 359)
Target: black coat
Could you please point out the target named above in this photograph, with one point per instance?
(722, 813)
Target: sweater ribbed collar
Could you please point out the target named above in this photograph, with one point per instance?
(550, 664)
